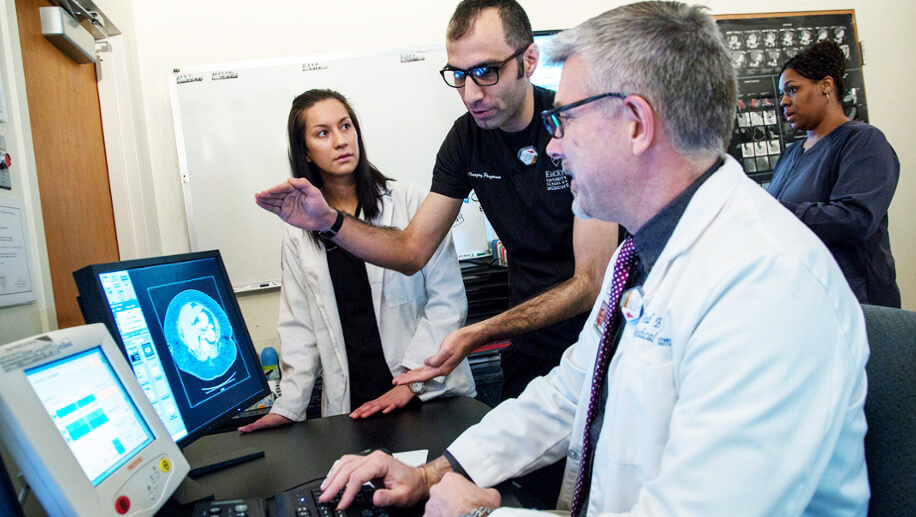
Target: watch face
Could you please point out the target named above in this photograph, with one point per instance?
(416, 387)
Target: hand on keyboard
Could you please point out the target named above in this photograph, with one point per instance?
(403, 485)
(303, 501)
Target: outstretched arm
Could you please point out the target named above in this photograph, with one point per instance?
(300, 204)
(405, 251)
(594, 242)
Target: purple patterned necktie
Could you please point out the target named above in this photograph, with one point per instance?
(625, 259)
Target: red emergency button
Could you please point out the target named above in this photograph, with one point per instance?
(122, 504)
(5, 160)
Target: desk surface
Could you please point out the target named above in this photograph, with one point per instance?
(303, 451)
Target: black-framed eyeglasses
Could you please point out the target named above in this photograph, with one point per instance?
(553, 118)
(483, 75)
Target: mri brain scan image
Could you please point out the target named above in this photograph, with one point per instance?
(199, 335)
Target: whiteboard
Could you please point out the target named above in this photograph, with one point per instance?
(230, 128)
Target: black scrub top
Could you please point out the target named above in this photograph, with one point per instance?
(370, 377)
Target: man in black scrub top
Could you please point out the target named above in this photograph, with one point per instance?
(556, 261)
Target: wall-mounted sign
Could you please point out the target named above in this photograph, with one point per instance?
(16, 284)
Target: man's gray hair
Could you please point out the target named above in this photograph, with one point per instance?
(669, 53)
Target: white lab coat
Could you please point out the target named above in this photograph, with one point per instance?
(414, 314)
(739, 391)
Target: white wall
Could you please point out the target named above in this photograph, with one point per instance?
(28, 319)
(166, 34)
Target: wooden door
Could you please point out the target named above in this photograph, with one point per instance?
(70, 160)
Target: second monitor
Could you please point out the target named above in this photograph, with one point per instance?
(178, 323)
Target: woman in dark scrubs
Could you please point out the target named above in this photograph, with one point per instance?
(840, 180)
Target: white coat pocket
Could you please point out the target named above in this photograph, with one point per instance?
(641, 399)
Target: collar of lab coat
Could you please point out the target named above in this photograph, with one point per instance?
(709, 200)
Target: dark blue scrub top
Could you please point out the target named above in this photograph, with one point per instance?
(840, 189)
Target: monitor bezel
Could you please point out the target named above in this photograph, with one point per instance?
(88, 283)
(542, 60)
(47, 462)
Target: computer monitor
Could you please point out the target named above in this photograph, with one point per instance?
(79, 426)
(471, 230)
(546, 74)
(178, 323)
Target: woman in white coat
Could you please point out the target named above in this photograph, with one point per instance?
(356, 324)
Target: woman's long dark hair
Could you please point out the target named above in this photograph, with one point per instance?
(370, 183)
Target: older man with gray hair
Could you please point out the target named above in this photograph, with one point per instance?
(722, 371)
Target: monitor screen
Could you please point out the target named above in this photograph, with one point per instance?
(179, 325)
(546, 74)
(92, 412)
(471, 230)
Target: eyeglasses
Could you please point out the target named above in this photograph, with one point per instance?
(553, 118)
(483, 75)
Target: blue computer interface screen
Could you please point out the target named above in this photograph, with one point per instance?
(92, 411)
(181, 334)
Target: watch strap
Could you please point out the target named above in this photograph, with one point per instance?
(331, 232)
(480, 511)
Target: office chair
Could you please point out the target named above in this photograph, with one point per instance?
(890, 408)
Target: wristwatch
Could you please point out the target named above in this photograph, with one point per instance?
(480, 511)
(417, 387)
(332, 231)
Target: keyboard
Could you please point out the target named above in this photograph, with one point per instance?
(252, 507)
(302, 501)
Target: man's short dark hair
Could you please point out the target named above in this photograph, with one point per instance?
(515, 21)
